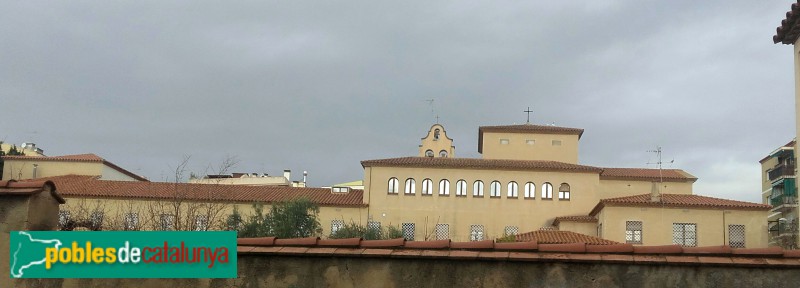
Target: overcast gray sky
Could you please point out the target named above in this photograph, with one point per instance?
(322, 85)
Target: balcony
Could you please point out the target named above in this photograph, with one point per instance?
(781, 170)
(783, 233)
(783, 203)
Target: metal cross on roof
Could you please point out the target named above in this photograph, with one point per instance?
(529, 114)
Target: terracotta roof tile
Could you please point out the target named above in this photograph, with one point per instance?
(476, 163)
(90, 158)
(90, 186)
(678, 201)
(788, 31)
(577, 218)
(29, 187)
(668, 175)
(561, 237)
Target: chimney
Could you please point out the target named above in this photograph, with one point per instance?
(655, 195)
(305, 176)
(288, 175)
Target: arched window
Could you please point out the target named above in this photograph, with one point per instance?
(513, 189)
(461, 188)
(435, 134)
(563, 192)
(427, 187)
(393, 183)
(547, 190)
(443, 154)
(429, 153)
(530, 190)
(495, 189)
(411, 186)
(444, 187)
(477, 189)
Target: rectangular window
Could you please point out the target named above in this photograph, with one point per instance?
(336, 224)
(684, 234)
(167, 222)
(201, 223)
(736, 236)
(511, 230)
(633, 232)
(530, 142)
(132, 221)
(408, 231)
(504, 141)
(475, 232)
(556, 142)
(600, 230)
(442, 231)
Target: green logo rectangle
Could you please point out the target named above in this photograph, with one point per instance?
(122, 254)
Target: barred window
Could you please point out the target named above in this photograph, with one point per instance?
(393, 183)
(736, 236)
(475, 232)
(563, 191)
(513, 189)
(444, 187)
(63, 218)
(495, 189)
(373, 225)
(427, 187)
(96, 219)
(461, 188)
(547, 190)
(511, 230)
(408, 231)
(131, 221)
(477, 188)
(167, 222)
(336, 224)
(530, 190)
(201, 223)
(442, 231)
(684, 234)
(411, 186)
(633, 232)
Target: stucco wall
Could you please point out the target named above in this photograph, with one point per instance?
(622, 188)
(541, 149)
(712, 224)
(23, 169)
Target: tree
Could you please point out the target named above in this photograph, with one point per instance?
(292, 219)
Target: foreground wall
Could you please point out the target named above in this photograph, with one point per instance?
(296, 271)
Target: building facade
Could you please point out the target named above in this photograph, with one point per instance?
(779, 189)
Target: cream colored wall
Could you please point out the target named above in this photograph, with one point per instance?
(150, 210)
(443, 143)
(796, 50)
(579, 227)
(622, 188)
(712, 226)
(542, 149)
(461, 212)
(23, 169)
(112, 174)
(253, 181)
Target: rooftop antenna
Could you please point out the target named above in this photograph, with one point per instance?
(659, 163)
(529, 114)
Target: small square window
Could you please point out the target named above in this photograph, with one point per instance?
(504, 141)
(556, 142)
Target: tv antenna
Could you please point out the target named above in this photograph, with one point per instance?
(659, 163)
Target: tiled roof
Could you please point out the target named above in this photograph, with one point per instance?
(13, 187)
(526, 128)
(678, 201)
(788, 31)
(561, 237)
(668, 175)
(475, 163)
(90, 158)
(772, 257)
(90, 186)
(577, 218)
